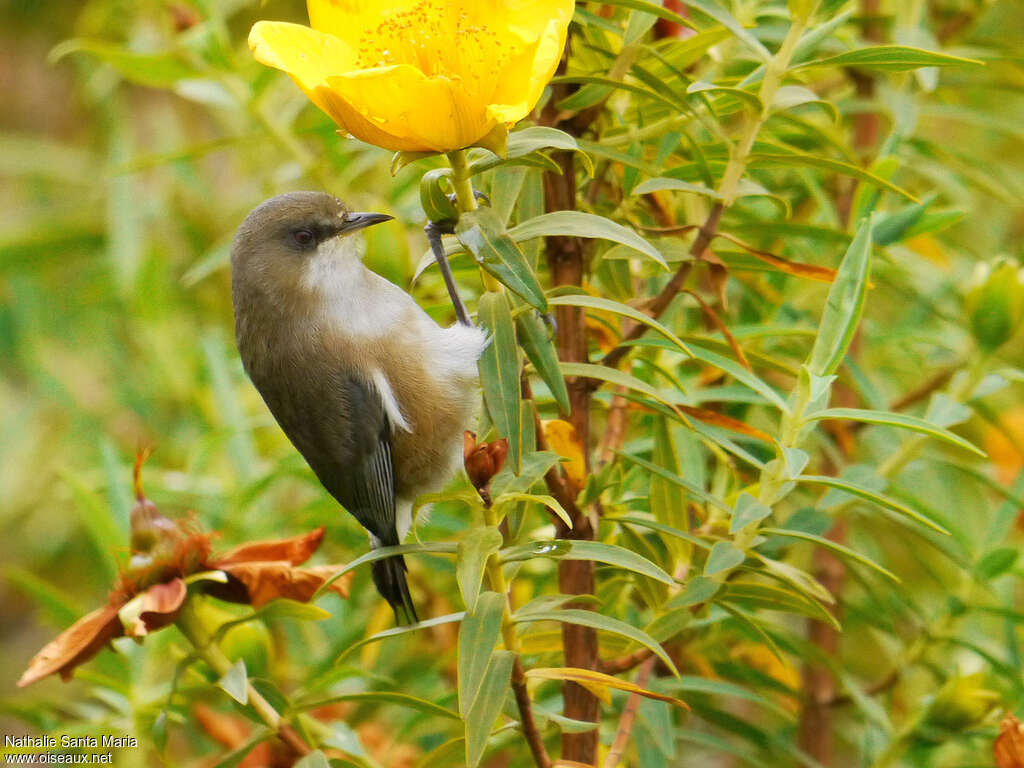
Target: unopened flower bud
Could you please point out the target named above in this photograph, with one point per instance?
(483, 461)
(961, 703)
(995, 302)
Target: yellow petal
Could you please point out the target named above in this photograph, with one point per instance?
(310, 57)
(522, 81)
(434, 111)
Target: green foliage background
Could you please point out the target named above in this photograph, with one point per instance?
(129, 157)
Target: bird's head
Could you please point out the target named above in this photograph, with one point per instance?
(289, 235)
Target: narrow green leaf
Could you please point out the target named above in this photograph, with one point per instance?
(471, 561)
(727, 20)
(380, 697)
(483, 234)
(872, 496)
(799, 159)
(609, 305)
(844, 305)
(448, 618)
(155, 70)
(661, 528)
(745, 97)
(723, 557)
(891, 58)
(538, 498)
(478, 637)
(901, 421)
(98, 521)
(486, 707)
(499, 371)
(668, 499)
(653, 8)
(380, 553)
(996, 562)
(564, 549)
(579, 224)
(536, 342)
(618, 378)
(315, 759)
(775, 598)
(832, 545)
(748, 510)
(235, 683)
(600, 622)
(725, 688)
(659, 183)
(692, 488)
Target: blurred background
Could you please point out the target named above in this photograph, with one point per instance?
(134, 137)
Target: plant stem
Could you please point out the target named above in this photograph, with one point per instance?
(465, 201)
(191, 626)
(496, 578)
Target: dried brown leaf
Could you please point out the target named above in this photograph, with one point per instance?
(1009, 744)
(75, 645)
(295, 550)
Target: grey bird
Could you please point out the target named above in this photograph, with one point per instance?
(369, 389)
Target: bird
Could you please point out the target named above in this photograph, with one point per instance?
(372, 392)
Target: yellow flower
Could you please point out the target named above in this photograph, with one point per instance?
(420, 75)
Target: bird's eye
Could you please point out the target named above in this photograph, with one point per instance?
(303, 237)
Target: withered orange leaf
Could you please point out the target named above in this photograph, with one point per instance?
(723, 329)
(264, 582)
(295, 550)
(75, 645)
(799, 269)
(159, 607)
(1009, 744)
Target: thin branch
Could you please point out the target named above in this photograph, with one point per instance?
(625, 663)
(530, 732)
(628, 717)
(672, 288)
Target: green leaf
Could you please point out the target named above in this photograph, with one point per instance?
(448, 618)
(891, 58)
(896, 226)
(832, 545)
(692, 488)
(789, 96)
(565, 549)
(487, 705)
(155, 70)
(799, 159)
(474, 549)
(499, 371)
(618, 378)
(668, 499)
(618, 308)
(661, 528)
(315, 759)
(98, 521)
(382, 697)
(528, 140)
(844, 305)
(699, 589)
(995, 563)
(536, 342)
(739, 373)
(435, 188)
(869, 495)
(579, 224)
(538, 498)
(600, 622)
(775, 598)
(723, 17)
(235, 683)
(653, 8)
(483, 234)
(660, 183)
(283, 608)
(380, 553)
(745, 97)
(478, 637)
(723, 557)
(748, 510)
(899, 420)
(725, 688)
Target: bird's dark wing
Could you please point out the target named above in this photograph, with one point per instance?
(339, 425)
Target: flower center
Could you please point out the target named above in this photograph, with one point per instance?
(438, 40)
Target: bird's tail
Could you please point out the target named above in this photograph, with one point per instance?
(389, 578)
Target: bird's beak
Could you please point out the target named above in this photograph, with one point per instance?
(356, 221)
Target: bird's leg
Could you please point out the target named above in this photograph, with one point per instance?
(434, 230)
